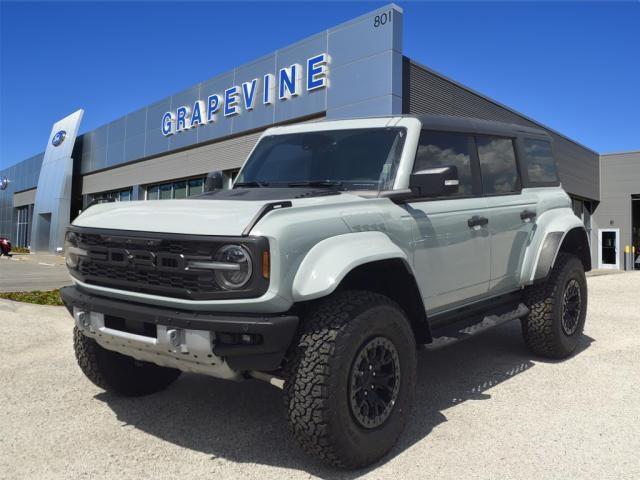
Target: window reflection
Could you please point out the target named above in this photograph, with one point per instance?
(539, 160)
(439, 149)
(497, 165)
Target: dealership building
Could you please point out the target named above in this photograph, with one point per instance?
(355, 69)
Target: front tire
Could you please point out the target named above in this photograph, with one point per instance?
(558, 309)
(118, 373)
(350, 384)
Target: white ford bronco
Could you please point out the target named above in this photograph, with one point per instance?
(341, 246)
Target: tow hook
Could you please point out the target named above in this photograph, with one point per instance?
(177, 340)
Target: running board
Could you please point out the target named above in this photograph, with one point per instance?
(487, 322)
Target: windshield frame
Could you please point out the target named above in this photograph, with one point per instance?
(335, 126)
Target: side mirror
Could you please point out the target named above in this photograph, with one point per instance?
(435, 182)
(214, 181)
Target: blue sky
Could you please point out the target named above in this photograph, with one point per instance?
(571, 66)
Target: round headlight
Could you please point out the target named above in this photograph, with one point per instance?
(71, 249)
(238, 267)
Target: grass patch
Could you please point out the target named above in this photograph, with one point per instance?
(50, 297)
(20, 250)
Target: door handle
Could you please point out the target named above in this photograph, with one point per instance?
(528, 215)
(476, 222)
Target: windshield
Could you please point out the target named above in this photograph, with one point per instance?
(354, 159)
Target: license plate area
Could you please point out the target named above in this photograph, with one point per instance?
(145, 329)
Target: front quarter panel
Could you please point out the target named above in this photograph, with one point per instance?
(328, 262)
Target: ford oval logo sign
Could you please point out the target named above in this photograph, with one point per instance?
(4, 183)
(58, 138)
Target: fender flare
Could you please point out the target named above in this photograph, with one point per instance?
(547, 243)
(329, 261)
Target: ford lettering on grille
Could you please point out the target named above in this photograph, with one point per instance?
(122, 257)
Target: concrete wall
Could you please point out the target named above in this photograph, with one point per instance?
(619, 179)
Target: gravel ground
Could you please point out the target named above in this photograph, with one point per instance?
(485, 409)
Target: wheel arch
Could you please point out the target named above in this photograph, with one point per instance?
(555, 230)
(574, 241)
(362, 261)
(394, 279)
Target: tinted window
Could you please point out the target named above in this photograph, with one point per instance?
(165, 191)
(180, 190)
(152, 192)
(355, 159)
(196, 186)
(283, 163)
(497, 165)
(539, 161)
(125, 195)
(438, 149)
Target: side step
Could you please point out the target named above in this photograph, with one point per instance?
(487, 322)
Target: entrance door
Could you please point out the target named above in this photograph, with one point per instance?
(609, 246)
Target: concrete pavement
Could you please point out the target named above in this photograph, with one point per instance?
(32, 272)
(485, 409)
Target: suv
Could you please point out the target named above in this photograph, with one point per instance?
(341, 246)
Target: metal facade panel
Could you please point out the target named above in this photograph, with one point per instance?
(429, 92)
(52, 210)
(223, 155)
(619, 180)
(28, 197)
(364, 77)
(22, 176)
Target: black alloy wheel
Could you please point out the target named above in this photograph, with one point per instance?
(571, 306)
(374, 382)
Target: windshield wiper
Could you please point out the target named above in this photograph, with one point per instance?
(250, 184)
(316, 183)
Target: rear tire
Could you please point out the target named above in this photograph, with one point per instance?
(338, 409)
(558, 309)
(118, 373)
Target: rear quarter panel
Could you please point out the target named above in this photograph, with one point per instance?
(554, 215)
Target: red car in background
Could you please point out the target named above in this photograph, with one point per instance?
(5, 246)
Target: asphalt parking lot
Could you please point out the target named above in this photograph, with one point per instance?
(32, 272)
(485, 409)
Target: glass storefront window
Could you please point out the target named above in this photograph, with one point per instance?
(166, 191)
(152, 192)
(180, 190)
(114, 196)
(196, 186)
(23, 226)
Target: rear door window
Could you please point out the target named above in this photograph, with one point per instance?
(498, 165)
(539, 163)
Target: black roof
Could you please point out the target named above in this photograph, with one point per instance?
(462, 124)
(476, 125)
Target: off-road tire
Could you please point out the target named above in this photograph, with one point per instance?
(542, 329)
(118, 373)
(317, 384)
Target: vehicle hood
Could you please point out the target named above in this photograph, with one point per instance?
(197, 216)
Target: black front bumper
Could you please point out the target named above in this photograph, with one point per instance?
(276, 332)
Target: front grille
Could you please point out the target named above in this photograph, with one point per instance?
(148, 280)
(147, 263)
